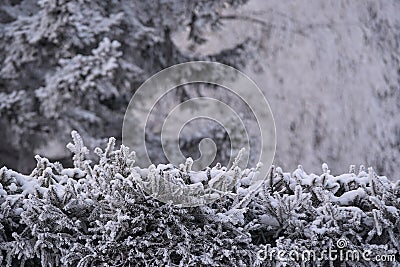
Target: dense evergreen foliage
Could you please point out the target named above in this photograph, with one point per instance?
(98, 214)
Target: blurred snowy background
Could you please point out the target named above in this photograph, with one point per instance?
(330, 70)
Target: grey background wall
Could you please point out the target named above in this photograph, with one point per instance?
(331, 72)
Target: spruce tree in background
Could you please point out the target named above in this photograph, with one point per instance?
(75, 64)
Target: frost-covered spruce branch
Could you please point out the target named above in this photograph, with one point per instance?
(98, 213)
(94, 214)
(301, 211)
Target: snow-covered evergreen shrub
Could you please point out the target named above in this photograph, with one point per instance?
(92, 215)
(98, 214)
(302, 211)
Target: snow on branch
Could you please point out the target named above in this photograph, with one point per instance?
(100, 213)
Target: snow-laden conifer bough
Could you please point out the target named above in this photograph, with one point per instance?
(97, 214)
